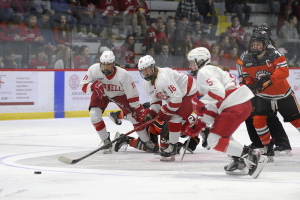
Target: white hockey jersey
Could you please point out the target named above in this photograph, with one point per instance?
(219, 91)
(171, 86)
(118, 84)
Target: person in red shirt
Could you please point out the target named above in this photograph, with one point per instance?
(203, 42)
(155, 34)
(62, 33)
(128, 52)
(235, 29)
(108, 11)
(9, 8)
(12, 37)
(214, 53)
(39, 61)
(83, 59)
(229, 60)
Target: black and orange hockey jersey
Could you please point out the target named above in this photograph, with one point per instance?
(273, 63)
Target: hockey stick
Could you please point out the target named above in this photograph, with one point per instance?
(116, 102)
(182, 152)
(73, 161)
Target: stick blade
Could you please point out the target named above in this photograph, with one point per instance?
(65, 160)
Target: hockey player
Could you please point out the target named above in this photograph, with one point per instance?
(177, 89)
(224, 105)
(105, 79)
(276, 129)
(265, 71)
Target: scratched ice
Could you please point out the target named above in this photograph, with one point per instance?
(35, 145)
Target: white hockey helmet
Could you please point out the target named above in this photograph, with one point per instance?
(200, 53)
(107, 57)
(144, 62)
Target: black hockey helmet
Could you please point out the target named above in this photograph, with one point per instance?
(256, 37)
(263, 27)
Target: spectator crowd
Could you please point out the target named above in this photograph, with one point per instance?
(41, 32)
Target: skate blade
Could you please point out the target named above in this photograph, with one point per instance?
(167, 159)
(236, 173)
(107, 151)
(283, 153)
(270, 159)
(112, 119)
(260, 165)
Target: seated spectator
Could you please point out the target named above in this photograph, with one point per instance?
(61, 7)
(46, 31)
(108, 43)
(31, 33)
(206, 7)
(181, 29)
(88, 18)
(155, 34)
(129, 12)
(229, 59)
(232, 41)
(9, 61)
(292, 4)
(214, 52)
(64, 59)
(288, 38)
(203, 42)
(129, 52)
(244, 45)
(39, 61)
(9, 8)
(164, 59)
(235, 30)
(170, 29)
(197, 31)
(150, 51)
(239, 7)
(283, 17)
(188, 8)
(82, 61)
(119, 59)
(108, 11)
(38, 6)
(62, 33)
(182, 47)
(100, 51)
(224, 44)
(12, 38)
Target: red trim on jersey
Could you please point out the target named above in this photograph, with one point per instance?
(189, 85)
(214, 96)
(157, 102)
(174, 127)
(109, 77)
(222, 145)
(174, 105)
(134, 99)
(84, 88)
(211, 113)
(99, 126)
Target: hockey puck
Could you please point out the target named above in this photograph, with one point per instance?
(37, 172)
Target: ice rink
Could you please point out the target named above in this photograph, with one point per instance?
(35, 145)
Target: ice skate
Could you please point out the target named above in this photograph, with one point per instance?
(280, 151)
(237, 166)
(269, 151)
(114, 116)
(122, 143)
(255, 161)
(150, 146)
(168, 155)
(108, 149)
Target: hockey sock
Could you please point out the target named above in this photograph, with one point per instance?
(137, 143)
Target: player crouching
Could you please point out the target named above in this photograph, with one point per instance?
(105, 79)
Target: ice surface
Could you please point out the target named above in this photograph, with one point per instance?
(35, 145)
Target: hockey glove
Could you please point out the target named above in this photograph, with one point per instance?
(263, 83)
(98, 89)
(148, 115)
(198, 107)
(194, 129)
(164, 114)
(138, 112)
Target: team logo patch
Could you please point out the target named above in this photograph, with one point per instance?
(74, 82)
(261, 73)
(151, 92)
(248, 64)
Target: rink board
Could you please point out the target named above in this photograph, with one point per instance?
(40, 94)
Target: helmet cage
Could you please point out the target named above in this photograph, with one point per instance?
(106, 72)
(148, 78)
(262, 37)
